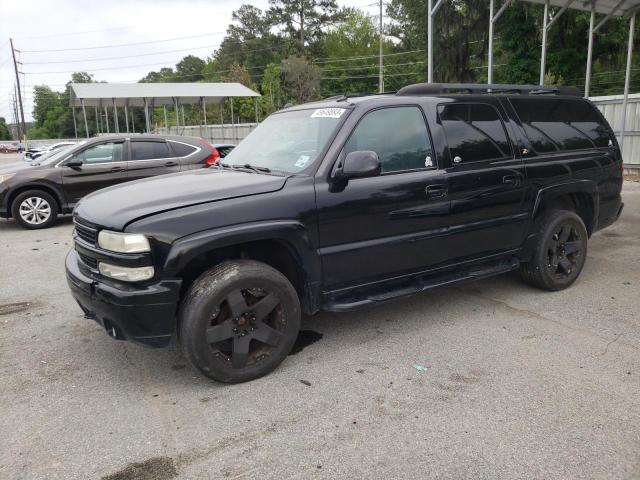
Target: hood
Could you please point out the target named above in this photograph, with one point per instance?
(15, 167)
(117, 206)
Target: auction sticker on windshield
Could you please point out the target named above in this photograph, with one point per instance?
(328, 113)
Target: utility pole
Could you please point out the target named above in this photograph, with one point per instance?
(381, 75)
(16, 118)
(15, 67)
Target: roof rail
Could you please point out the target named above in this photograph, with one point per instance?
(439, 88)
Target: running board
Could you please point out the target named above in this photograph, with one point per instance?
(362, 297)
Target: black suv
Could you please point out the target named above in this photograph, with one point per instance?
(35, 193)
(346, 203)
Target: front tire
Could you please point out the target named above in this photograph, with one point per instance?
(560, 252)
(34, 209)
(239, 321)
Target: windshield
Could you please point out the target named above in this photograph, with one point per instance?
(287, 142)
(56, 155)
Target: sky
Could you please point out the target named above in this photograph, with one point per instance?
(80, 24)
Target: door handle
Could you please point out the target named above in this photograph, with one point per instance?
(511, 180)
(117, 169)
(171, 164)
(436, 191)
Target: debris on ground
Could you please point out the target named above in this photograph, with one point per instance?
(420, 368)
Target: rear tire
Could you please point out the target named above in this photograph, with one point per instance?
(560, 252)
(239, 321)
(34, 209)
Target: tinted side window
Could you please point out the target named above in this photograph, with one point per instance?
(398, 135)
(149, 150)
(553, 124)
(181, 149)
(103, 153)
(474, 132)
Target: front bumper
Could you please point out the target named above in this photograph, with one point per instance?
(141, 314)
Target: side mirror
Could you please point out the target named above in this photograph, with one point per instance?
(360, 164)
(74, 164)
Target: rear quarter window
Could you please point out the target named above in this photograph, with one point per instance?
(561, 124)
(181, 149)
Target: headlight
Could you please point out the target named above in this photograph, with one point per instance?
(123, 242)
(125, 274)
(4, 178)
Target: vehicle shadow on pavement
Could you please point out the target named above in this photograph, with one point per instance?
(10, 225)
(332, 335)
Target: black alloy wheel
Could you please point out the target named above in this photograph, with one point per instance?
(560, 251)
(564, 250)
(246, 327)
(239, 321)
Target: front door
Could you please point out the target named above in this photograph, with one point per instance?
(150, 157)
(377, 227)
(103, 165)
(486, 182)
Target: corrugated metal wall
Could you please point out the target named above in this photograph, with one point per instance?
(611, 108)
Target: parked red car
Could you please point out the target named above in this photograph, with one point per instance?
(8, 148)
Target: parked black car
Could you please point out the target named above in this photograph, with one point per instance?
(342, 204)
(35, 193)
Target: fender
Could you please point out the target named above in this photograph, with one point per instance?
(37, 184)
(547, 194)
(293, 234)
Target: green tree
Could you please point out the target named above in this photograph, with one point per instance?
(44, 100)
(460, 37)
(189, 69)
(304, 20)
(243, 106)
(273, 93)
(5, 134)
(357, 37)
(166, 74)
(301, 79)
(249, 42)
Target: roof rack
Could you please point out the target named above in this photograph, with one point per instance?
(439, 88)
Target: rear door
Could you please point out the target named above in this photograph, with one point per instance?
(103, 164)
(486, 180)
(150, 157)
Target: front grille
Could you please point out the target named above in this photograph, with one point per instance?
(88, 261)
(86, 233)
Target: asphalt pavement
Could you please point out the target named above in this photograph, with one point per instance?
(491, 380)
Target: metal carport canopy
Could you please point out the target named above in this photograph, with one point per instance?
(156, 94)
(615, 7)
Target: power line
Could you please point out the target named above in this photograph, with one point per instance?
(118, 67)
(123, 56)
(68, 34)
(360, 57)
(123, 44)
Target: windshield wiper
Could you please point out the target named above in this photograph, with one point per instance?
(253, 168)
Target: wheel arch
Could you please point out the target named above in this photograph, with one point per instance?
(580, 196)
(284, 245)
(54, 192)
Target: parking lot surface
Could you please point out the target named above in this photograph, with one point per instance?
(491, 380)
